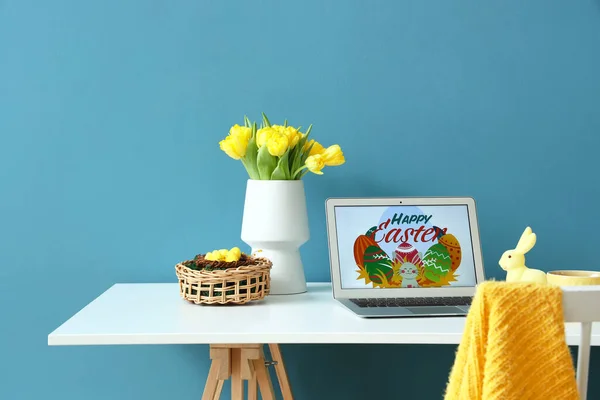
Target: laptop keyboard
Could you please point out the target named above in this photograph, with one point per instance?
(413, 301)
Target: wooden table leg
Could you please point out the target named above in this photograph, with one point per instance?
(220, 370)
(252, 389)
(212, 382)
(264, 380)
(240, 362)
(219, 389)
(284, 382)
(237, 384)
(249, 354)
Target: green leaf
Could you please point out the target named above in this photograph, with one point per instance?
(266, 120)
(247, 122)
(266, 163)
(301, 143)
(278, 174)
(285, 123)
(252, 171)
(292, 156)
(297, 174)
(293, 160)
(299, 155)
(250, 159)
(282, 172)
(308, 130)
(307, 152)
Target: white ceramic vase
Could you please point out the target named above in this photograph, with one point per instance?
(275, 225)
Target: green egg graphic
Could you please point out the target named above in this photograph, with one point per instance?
(377, 263)
(436, 262)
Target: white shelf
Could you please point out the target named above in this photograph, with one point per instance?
(155, 314)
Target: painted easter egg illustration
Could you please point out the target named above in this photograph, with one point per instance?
(450, 242)
(406, 252)
(436, 262)
(377, 264)
(360, 246)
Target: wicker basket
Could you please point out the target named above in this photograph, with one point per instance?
(224, 283)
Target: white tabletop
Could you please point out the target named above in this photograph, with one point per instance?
(155, 314)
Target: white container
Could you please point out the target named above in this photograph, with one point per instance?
(275, 225)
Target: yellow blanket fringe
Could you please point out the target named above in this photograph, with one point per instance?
(513, 347)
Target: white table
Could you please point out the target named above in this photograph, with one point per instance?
(152, 313)
(155, 314)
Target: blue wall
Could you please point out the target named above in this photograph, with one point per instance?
(110, 114)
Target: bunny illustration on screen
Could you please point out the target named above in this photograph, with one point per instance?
(513, 261)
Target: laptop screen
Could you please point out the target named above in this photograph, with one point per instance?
(404, 246)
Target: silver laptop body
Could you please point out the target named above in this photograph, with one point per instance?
(404, 257)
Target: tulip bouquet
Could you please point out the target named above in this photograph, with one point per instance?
(278, 152)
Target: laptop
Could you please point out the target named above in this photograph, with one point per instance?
(404, 257)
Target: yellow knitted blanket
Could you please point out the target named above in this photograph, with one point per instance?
(513, 347)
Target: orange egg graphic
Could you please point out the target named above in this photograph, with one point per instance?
(450, 242)
(360, 246)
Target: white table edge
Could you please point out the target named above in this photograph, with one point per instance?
(445, 338)
(329, 338)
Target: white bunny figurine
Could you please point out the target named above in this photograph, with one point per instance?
(513, 261)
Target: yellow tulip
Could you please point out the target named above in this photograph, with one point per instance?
(293, 135)
(213, 256)
(278, 128)
(223, 252)
(263, 135)
(290, 132)
(316, 148)
(241, 131)
(277, 144)
(315, 164)
(235, 146)
(333, 156)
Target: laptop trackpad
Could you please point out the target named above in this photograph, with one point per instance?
(435, 310)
